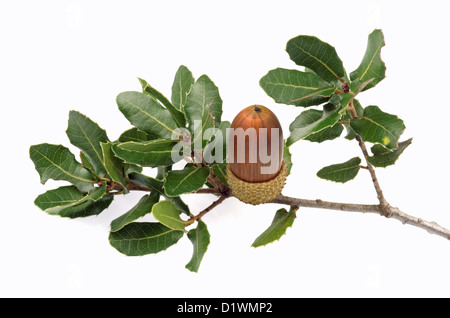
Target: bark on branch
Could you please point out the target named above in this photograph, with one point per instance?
(393, 212)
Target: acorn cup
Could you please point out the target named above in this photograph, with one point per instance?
(256, 172)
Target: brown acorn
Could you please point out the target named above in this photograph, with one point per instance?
(256, 172)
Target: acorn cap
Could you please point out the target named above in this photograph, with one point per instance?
(257, 192)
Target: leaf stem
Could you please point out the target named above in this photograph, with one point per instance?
(208, 190)
(383, 203)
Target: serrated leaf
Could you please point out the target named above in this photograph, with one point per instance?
(297, 88)
(313, 115)
(134, 134)
(371, 65)
(143, 207)
(146, 114)
(200, 240)
(141, 238)
(152, 153)
(308, 123)
(87, 136)
(61, 196)
(181, 87)
(378, 127)
(204, 105)
(114, 166)
(177, 115)
(58, 163)
(158, 185)
(280, 223)
(287, 157)
(341, 172)
(383, 157)
(328, 133)
(316, 55)
(166, 212)
(69, 202)
(187, 180)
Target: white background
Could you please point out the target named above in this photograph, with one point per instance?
(63, 55)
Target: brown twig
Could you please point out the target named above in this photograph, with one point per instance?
(395, 213)
(383, 203)
(206, 210)
(216, 183)
(208, 190)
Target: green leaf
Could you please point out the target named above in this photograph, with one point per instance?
(329, 133)
(58, 163)
(162, 171)
(114, 166)
(347, 117)
(58, 197)
(220, 171)
(371, 65)
(188, 180)
(158, 185)
(130, 168)
(216, 149)
(287, 157)
(143, 207)
(85, 163)
(310, 117)
(146, 114)
(341, 172)
(280, 223)
(166, 212)
(135, 134)
(309, 123)
(152, 153)
(181, 87)
(316, 55)
(87, 136)
(69, 202)
(383, 157)
(200, 240)
(297, 88)
(177, 115)
(141, 238)
(356, 87)
(378, 127)
(203, 104)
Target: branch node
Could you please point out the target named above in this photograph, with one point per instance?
(385, 210)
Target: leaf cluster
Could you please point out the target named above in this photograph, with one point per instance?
(324, 84)
(188, 157)
(109, 167)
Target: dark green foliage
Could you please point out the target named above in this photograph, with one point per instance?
(188, 126)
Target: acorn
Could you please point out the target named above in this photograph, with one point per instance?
(256, 172)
